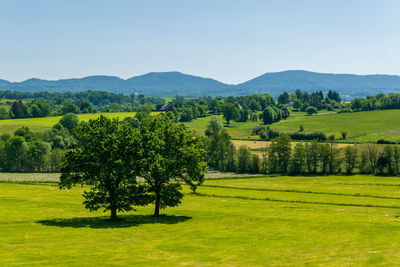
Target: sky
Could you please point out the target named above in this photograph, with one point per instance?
(231, 41)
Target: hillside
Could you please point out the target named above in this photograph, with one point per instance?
(176, 83)
(346, 84)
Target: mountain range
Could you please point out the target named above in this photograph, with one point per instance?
(176, 83)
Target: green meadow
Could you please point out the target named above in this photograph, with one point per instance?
(361, 127)
(367, 126)
(237, 130)
(257, 221)
(46, 123)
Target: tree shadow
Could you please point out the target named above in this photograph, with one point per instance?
(121, 222)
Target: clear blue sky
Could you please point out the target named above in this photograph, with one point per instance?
(231, 41)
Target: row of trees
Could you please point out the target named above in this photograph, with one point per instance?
(380, 101)
(303, 100)
(304, 158)
(27, 151)
(42, 104)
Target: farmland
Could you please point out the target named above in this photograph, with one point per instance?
(334, 220)
(361, 127)
(41, 124)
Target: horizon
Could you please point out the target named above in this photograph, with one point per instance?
(53, 41)
(185, 73)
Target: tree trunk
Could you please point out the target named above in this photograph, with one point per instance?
(157, 205)
(113, 214)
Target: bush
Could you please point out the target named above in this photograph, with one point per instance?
(382, 141)
(308, 136)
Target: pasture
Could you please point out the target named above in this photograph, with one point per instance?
(46, 123)
(258, 221)
(361, 127)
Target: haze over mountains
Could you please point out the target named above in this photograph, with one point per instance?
(176, 83)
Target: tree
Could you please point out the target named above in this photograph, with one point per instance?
(279, 154)
(40, 109)
(96, 161)
(18, 110)
(297, 104)
(350, 159)
(221, 151)
(187, 114)
(298, 159)
(168, 153)
(268, 115)
(37, 152)
(69, 121)
(214, 125)
(372, 155)
(14, 154)
(86, 107)
(69, 107)
(230, 112)
(244, 115)
(243, 159)
(4, 114)
(312, 156)
(356, 104)
(283, 98)
(311, 110)
(214, 106)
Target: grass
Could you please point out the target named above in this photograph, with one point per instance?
(237, 130)
(362, 127)
(257, 221)
(46, 123)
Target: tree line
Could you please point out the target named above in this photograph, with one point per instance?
(43, 104)
(282, 157)
(379, 101)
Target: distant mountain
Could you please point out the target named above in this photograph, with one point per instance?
(176, 83)
(173, 83)
(276, 82)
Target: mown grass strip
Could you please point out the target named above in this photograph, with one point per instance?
(300, 201)
(301, 191)
(370, 184)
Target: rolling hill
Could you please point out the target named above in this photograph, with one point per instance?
(176, 83)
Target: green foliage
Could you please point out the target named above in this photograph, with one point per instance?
(14, 154)
(215, 125)
(350, 159)
(311, 110)
(96, 161)
(244, 160)
(168, 153)
(18, 110)
(279, 154)
(69, 121)
(297, 160)
(269, 115)
(230, 112)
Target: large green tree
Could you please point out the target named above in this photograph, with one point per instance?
(231, 112)
(102, 160)
(169, 154)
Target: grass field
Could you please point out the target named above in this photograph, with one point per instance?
(259, 221)
(237, 130)
(42, 124)
(368, 126)
(361, 127)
